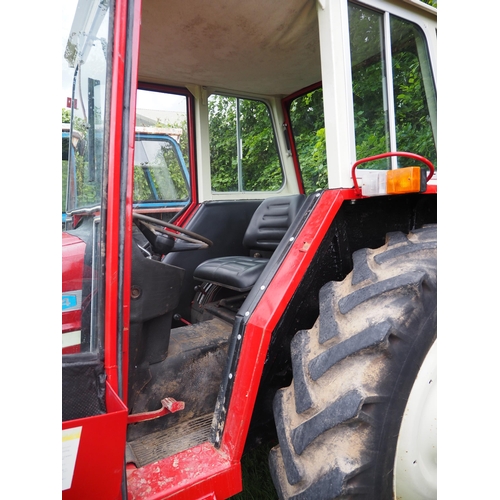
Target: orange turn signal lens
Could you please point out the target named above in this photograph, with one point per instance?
(404, 180)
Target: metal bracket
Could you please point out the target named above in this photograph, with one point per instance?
(169, 405)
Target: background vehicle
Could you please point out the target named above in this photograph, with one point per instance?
(295, 297)
(161, 185)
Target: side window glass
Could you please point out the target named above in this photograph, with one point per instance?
(371, 116)
(161, 158)
(393, 90)
(66, 153)
(414, 92)
(308, 126)
(85, 65)
(243, 150)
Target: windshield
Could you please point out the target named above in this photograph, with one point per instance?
(87, 53)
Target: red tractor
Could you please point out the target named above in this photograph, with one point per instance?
(278, 289)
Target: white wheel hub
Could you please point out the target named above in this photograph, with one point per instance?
(415, 475)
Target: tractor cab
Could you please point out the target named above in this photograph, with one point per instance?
(226, 162)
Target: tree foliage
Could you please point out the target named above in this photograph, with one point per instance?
(66, 115)
(308, 125)
(223, 143)
(254, 167)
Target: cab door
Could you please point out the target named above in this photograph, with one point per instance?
(102, 53)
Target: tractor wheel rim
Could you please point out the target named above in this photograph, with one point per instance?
(415, 476)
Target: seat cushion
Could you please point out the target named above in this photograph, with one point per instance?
(238, 273)
(271, 221)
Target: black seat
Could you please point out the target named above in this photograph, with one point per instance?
(267, 227)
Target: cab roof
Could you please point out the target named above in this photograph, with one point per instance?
(253, 46)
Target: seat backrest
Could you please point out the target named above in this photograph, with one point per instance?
(270, 222)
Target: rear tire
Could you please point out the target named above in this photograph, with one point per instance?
(339, 421)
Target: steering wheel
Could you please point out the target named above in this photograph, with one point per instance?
(165, 237)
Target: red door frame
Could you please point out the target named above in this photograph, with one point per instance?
(124, 45)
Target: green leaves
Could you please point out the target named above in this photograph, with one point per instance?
(308, 126)
(257, 168)
(66, 115)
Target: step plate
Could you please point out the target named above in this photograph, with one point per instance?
(158, 445)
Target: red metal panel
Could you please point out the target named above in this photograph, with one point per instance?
(73, 250)
(99, 459)
(200, 472)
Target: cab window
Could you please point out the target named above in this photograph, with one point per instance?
(243, 151)
(393, 94)
(393, 89)
(161, 156)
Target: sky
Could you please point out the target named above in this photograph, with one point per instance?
(68, 11)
